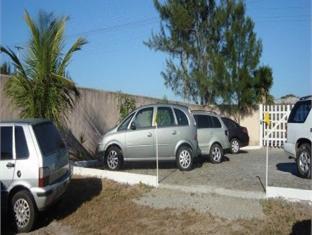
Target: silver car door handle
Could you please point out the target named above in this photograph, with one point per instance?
(149, 134)
(174, 132)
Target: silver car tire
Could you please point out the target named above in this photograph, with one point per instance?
(235, 146)
(184, 158)
(304, 161)
(24, 211)
(114, 158)
(216, 153)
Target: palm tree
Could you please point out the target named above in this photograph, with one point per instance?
(41, 86)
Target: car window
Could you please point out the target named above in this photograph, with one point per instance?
(20, 143)
(48, 138)
(215, 122)
(6, 143)
(181, 117)
(125, 123)
(203, 121)
(300, 112)
(229, 123)
(143, 118)
(165, 117)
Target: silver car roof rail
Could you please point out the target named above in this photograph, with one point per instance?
(205, 111)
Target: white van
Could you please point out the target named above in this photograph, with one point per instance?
(299, 135)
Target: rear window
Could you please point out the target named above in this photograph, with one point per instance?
(229, 123)
(300, 112)
(48, 138)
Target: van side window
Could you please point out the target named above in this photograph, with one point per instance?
(6, 143)
(203, 121)
(143, 118)
(165, 117)
(20, 143)
(181, 117)
(300, 112)
(125, 123)
(215, 122)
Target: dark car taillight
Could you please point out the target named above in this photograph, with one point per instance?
(44, 173)
(195, 136)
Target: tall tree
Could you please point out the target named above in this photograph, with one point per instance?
(41, 86)
(213, 51)
(190, 34)
(241, 54)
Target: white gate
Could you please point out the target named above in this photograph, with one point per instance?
(278, 115)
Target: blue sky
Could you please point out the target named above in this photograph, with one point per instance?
(116, 59)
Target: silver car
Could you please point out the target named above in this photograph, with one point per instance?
(212, 135)
(134, 139)
(34, 168)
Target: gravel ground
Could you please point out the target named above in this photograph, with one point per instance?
(216, 205)
(244, 171)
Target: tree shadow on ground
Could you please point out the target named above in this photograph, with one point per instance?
(79, 191)
(289, 167)
(301, 227)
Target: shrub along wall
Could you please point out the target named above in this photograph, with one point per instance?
(98, 111)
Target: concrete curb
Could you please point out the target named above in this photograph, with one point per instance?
(291, 194)
(220, 191)
(252, 147)
(121, 177)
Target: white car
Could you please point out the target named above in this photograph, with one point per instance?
(34, 168)
(299, 135)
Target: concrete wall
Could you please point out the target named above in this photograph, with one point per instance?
(98, 111)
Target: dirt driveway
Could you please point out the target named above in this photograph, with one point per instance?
(244, 171)
(95, 206)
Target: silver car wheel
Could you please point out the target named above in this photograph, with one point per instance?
(22, 212)
(216, 154)
(112, 159)
(304, 162)
(185, 159)
(235, 146)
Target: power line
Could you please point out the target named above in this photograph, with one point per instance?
(117, 26)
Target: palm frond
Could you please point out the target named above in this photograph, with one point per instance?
(41, 86)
